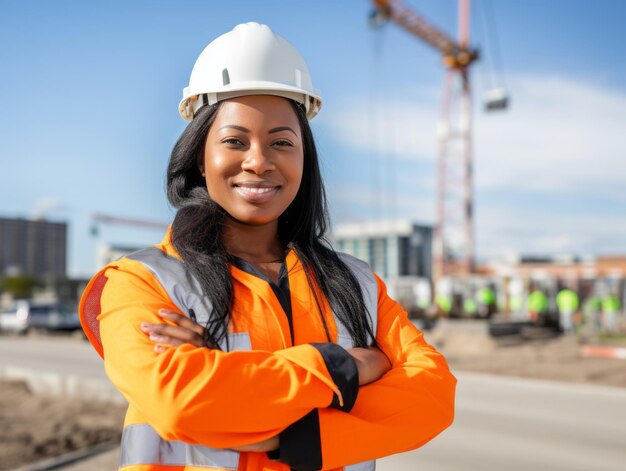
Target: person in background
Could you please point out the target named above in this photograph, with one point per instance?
(516, 304)
(537, 305)
(592, 312)
(567, 303)
(486, 298)
(243, 341)
(610, 310)
(470, 307)
(444, 304)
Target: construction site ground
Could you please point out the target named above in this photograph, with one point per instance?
(33, 428)
(556, 359)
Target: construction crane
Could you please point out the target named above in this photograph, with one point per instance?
(453, 245)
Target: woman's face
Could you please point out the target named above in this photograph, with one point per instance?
(253, 158)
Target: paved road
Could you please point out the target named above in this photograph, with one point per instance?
(56, 365)
(517, 424)
(59, 353)
(501, 424)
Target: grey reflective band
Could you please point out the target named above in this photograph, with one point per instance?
(181, 285)
(369, 289)
(185, 291)
(365, 466)
(142, 445)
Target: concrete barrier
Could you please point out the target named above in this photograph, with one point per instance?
(63, 385)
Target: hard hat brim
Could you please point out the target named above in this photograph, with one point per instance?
(190, 103)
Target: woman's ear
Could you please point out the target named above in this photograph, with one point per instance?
(201, 168)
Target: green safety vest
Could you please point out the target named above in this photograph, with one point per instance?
(444, 303)
(537, 301)
(567, 300)
(486, 296)
(469, 305)
(610, 304)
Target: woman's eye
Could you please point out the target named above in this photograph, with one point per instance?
(282, 143)
(232, 141)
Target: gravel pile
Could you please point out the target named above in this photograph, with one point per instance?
(35, 427)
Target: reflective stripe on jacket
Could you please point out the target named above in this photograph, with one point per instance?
(185, 292)
(188, 405)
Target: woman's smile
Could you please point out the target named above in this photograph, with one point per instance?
(256, 192)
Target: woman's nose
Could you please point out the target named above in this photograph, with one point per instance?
(257, 161)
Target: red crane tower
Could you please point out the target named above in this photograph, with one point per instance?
(453, 245)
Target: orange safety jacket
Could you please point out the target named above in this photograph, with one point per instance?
(189, 406)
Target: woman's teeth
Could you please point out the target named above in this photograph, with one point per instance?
(255, 190)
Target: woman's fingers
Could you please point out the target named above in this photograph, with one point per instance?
(183, 331)
(166, 340)
(182, 321)
(174, 331)
(171, 334)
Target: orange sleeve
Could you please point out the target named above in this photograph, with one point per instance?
(199, 395)
(404, 409)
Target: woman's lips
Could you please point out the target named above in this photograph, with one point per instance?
(256, 192)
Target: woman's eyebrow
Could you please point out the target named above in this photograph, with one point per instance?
(281, 128)
(233, 126)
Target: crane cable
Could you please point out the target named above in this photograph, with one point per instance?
(493, 25)
(489, 25)
(374, 125)
(383, 137)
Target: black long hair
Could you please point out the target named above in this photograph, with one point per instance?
(198, 226)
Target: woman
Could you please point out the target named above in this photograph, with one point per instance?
(243, 341)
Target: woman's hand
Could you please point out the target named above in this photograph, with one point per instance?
(371, 363)
(165, 335)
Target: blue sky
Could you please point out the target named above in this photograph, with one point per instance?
(89, 94)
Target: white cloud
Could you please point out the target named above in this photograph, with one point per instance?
(533, 231)
(559, 135)
(399, 128)
(561, 138)
(354, 202)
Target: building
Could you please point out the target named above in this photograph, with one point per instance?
(392, 248)
(108, 253)
(34, 248)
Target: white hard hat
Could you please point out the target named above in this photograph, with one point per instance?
(249, 60)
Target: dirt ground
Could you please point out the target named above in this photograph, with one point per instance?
(33, 427)
(557, 359)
